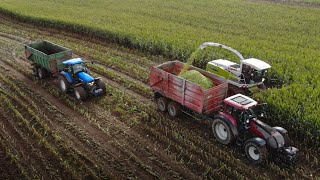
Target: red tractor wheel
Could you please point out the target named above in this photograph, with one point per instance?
(254, 152)
(162, 103)
(222, 132)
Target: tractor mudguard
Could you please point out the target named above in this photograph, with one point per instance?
(85, 77)
(67, 76)
(228, 117)
(229, 123)
(97, 78)
(281, 130)
(257, 140)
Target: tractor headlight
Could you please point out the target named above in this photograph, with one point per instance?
(91, 83)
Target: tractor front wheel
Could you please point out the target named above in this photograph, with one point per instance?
(174, 109)
(222, 132)
(80, 93)
(101, 85)
(254, 152)
(64, 84)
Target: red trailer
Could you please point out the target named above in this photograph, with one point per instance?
(174, 93)
(234, 118)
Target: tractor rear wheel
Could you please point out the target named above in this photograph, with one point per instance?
(64, 84)
(80, 93)
(162, 103)
(255, 152)
(222, 132)
(174, 109)
(101, 85)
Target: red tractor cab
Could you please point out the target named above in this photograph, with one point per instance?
(238, 123)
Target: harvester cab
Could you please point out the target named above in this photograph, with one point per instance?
(239, 122)
(75, 75)
(249, 73)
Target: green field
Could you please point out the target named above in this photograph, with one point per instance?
(288, 37)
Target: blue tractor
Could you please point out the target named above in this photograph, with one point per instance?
(75, 76)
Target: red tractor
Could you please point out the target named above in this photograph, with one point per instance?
(235, 119)
(238, 123)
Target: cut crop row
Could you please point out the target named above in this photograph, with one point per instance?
(32, 154)
(134, 86)
(80, 133)
(9, 151)
(105, 128)
(44, 134)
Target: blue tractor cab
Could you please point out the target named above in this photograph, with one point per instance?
(75, 76)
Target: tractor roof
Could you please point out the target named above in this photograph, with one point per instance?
(240, 101)
(223, 62)
(73, 61)
(256, 63)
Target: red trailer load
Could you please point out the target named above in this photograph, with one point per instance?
(165, 82)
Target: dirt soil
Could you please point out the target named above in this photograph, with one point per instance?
(47, 134)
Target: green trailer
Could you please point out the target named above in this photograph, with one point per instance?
(47, 58)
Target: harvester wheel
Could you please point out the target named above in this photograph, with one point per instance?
(80, 93)
(101, 85)
(64, 84)
(41, 73)
(162, 103)
(255, 153)
(174, 109)
(222, 132)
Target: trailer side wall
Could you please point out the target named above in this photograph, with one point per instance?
(48, 55)
(164, 79)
